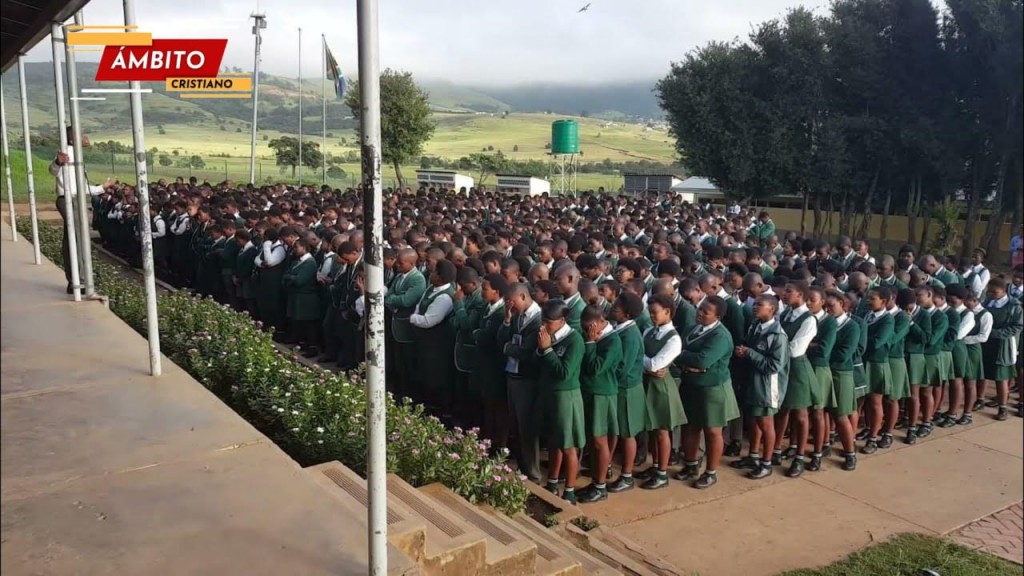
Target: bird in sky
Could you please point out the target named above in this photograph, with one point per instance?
(584, 9)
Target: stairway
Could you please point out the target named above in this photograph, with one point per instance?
(447, 536)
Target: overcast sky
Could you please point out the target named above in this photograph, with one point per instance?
(465, 41)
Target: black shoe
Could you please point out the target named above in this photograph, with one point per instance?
(645, 474)
(870, 447)
(789, 453)
(687, 473)
(796, 469)
(1002, 414)
(706, 480)
(978, 405)
(885, 441)
(938, 417)
(655, 482)
(570, 497)
(826, 451)
(992, 404)
(551, 487)
(776, 459)
(850, 462)
(595, 494)
(965, 420)
(746, 463)
(761, 472)
(863, 435)
(911, 438)
(902, 423)
(675, 458)
(623, 484)
(815, 464)
(71, 289)
(733, 449)
(924, 430)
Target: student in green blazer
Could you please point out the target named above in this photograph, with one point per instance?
(842, 402)
(560, 357)
(974, 377)
(602, 355)
(818, 353)
(706, 390)
(567, 280)
(897, 363)
(468, 312)
(917, 340)
(403, 295)
(764, 361)
(303, 299)
(435, 338)
(802, 391)
(243, 274)
(517, 339)
(955, 296)
(488, 377)
(632, 402)
(1000, 352)
(932, 351)
(945, 362)
(876, 362)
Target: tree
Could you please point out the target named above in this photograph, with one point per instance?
(405, 123)
(165, 160)
(487, 164)
(196, 162)
(286, 150)
(335, 172)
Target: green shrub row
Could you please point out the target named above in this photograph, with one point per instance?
(313, 414)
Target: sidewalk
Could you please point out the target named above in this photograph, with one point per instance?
(106, 470)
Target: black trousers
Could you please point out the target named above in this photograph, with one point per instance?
(65, 250)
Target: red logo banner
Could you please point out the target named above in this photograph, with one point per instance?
(172, 58)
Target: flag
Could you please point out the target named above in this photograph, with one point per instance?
(334, 73)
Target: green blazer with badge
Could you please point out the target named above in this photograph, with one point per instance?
(245, 268)
(405, 293)
(489, 372)
(303, 304)
(465, 319)
(601, 360)
(765, 368)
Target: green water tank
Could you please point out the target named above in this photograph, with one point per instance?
(565, 137)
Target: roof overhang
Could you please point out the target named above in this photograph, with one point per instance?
(23, 23)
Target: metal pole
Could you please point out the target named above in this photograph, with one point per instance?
(84, 236)
(300, 106)
(373, 232)
(7, 162)
(29, 175)
(323, 116)
(145, 224)
(259, 23)
(57, 38)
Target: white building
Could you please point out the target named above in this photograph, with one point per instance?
(696, 189)
(635, 184)
(523, 185)
(447, 179)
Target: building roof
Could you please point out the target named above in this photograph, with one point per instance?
(696, 184)
(23, 23)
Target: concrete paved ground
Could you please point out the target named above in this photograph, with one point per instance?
(106, 470)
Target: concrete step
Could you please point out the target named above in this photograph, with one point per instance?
(590, 566)
(508, 552)
(436, 544)
(553, 559)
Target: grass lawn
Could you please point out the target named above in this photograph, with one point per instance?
(910, 555)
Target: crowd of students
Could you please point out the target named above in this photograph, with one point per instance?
(604, 323)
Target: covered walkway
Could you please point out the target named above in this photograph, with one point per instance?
(106, 470)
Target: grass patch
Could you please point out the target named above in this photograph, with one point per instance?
(910, 555)
(45, 184)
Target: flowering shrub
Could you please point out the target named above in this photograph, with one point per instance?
(313, 414)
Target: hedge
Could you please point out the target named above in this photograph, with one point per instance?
(314, 414)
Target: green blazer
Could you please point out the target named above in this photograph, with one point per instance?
(560, 365)
(819, 353)
(575, 313)
(525, 350)
(601, 361)
(301, 288)
(845, 349)
(766, 367)
(685, 317)
(879, 335)
(630, 371)
(940, 325)
(953, 320)
(490, 364)
(465, 319)
(229, 255)
(709, 353)
(245, 266)
(919, 333)
(900, 330)
(734, 320)
(405, 293)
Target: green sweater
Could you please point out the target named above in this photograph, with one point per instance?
(940, 324)
(630, 372)
(919, 332)
(900, 329)
(601, 362)
(879, 335)
(710, 353)
(845, 348)
(953, 322)
(560, 365)
(820, 351)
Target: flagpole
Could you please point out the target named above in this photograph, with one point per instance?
(300, 106)
(323, 116)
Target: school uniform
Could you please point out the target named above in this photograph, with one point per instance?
(302, 300)
(518, 342)
(802, 390)
(403, 295)
(843, 399)
(978, 335)
(559, 382)
(820, 351)
(270, 268)
(918, 337)
(860, 378)
(897, 355)
(892, 282)
(576, 306)
(465, 320)
(999, 353)
(876, 354)
(208, 278)
(435, 345)
(932, 350)
(708, 396)
(161, 245)
(488, 378)
(600, 389)
(976, 279)
(245, 269)
(765, 369)
(629, 375)
(228, 256)
(664, 407)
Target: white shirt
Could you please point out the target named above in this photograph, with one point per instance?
(69, 169)
(437, 311)
(159, 227)
(807, 331)
(765, 326)
(180, 224)
(980, 279)
(328, 264)
(624, 325)
(984, 319)
(966, 322)
(669, 352)
(557, 337)
(271, 256)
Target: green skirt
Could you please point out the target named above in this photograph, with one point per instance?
(802, 384)
(945, 366)
(761, 411)
(565, 427)
(959, 360)
(632, 411)
(842, 401)
(996, 372)
(973, 370)
(931, 370)
(860, 382)
(712, 407)
(879, 378)
(916, 370)
(664, 407)
(601, 414)
(900, 380)
(823, 387)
